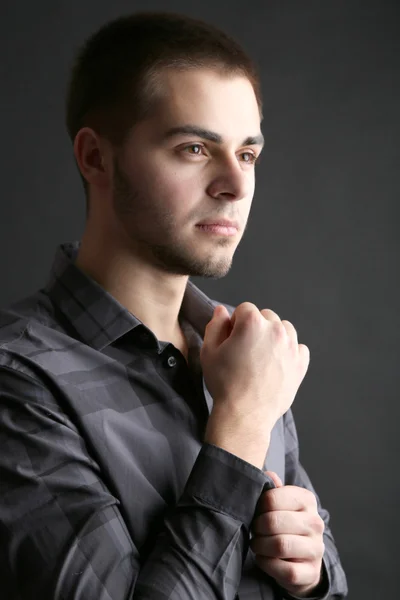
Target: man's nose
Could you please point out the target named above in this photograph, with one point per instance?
(231, 181)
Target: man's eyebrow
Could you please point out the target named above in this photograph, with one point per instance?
(251, 140)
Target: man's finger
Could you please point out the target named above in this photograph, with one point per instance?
(286, 521)
(275, 478)
(288, 546)
(288, 574)
(287, 497)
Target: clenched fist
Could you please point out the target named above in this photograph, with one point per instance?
(288, 537)
(253, 366)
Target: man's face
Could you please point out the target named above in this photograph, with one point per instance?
(166, 184)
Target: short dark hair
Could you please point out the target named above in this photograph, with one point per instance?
(113, 79)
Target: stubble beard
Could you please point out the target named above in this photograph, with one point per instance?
(172, 256)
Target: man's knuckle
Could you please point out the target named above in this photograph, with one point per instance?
(283, 546)
(273, 521)
(314, 554)
(321, 526)
(317, 524)
(270, 503)
(278, 330)
(292, 574)
(317, 551)
(310, 501)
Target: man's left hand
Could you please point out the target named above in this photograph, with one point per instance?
(288, 537)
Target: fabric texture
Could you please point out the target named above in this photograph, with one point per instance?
(107, 491)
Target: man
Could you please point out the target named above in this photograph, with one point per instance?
(139, 417)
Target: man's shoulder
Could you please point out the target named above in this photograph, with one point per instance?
(27, 327)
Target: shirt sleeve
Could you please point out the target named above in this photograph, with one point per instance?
(333, 583)
(62, 533)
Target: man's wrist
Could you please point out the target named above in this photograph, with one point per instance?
(248, 448)
(234, 435)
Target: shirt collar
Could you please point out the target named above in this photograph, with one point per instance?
(98, 318)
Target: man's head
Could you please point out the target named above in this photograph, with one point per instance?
(161, 109)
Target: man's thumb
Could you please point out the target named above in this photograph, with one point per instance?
(275, 478)
(219, 327)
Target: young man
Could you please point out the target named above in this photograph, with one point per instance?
(137, 422)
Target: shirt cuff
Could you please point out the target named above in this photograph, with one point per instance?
(227, 483)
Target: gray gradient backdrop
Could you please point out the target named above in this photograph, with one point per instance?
(322, 244)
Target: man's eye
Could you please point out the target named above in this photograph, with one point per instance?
(197, 150)
(252, 157)
(198, 146)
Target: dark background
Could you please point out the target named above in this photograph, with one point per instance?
(322, 244)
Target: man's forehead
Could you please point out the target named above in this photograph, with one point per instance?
(194, 105)
(189, 92)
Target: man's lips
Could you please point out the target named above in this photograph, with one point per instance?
(220, 223)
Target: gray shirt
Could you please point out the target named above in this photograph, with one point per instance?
(107, 491)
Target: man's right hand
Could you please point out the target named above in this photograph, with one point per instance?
(253, 366)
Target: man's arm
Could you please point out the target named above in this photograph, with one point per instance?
(333, 583)
(62, 534)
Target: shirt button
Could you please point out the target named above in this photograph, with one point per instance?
(171, 361)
